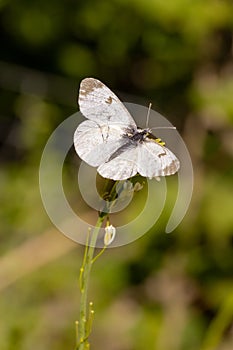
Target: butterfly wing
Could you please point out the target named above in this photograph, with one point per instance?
(97, 138)
(122, 164)
(155, 160)
(98, 103)
(95, 143)
(148, 158)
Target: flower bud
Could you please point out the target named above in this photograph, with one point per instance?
(110, 232)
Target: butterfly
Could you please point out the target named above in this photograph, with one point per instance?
(111, 141)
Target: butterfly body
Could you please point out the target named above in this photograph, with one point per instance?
(111, 141)
(137, 135)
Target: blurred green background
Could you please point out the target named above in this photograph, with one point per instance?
(163, 292)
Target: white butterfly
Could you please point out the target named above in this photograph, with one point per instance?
(111, 140)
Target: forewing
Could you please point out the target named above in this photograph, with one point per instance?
(95, 143)
(97, 102)
(155, 160)
(122, 164)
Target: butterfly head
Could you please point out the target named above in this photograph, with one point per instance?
(140, 135)
(137, 135)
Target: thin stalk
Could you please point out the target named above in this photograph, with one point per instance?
(83, 319)
(83, 326)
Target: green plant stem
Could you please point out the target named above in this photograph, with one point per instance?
(82, 325)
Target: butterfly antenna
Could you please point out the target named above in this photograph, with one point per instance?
(163, 127)
(148, 115)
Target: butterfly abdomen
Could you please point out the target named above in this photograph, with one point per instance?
(155, 139)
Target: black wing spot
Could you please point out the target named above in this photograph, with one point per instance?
(162, 154)
(109, 100)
